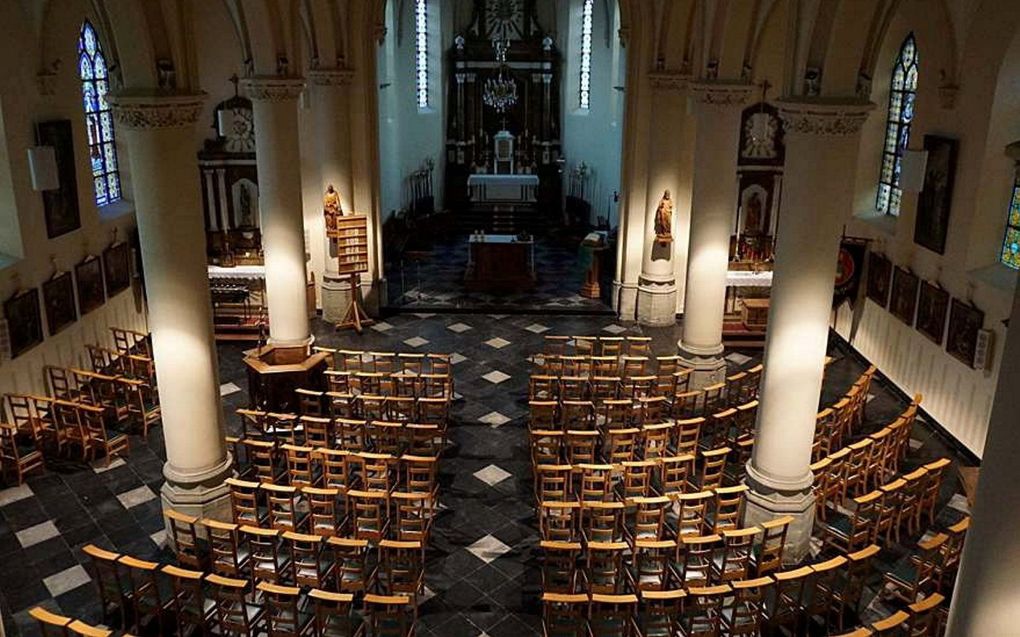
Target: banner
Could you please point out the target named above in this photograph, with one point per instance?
(852, 252)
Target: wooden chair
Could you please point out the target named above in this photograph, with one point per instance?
(602, 521)
(924, 616)
(245, 502)
(141, 406)
(543, 387)
(703, 612)
(554, 482)
(544, 414)
(692, 517)
(546, 446)
(675, 474)
(768, 554)
(745, 611)
(559, 566)
(50, 624)
(892, 625)
(229, 555)
(850, 533)
(613, 615)
(603, 572)
(319, 433)
(145, 598)
(582, 446)
(788, 610)
(94, 425)
(949, 555)
(111, 582)
(190, 608)
(350, 560)
(821, 602)
(734, 561)
(639, 345)
(414, 514)
(661, 612)
(81, 629)
(915, 576)
(847, 596)
(325, 513)
(18, 454)
(577, 415)
(932, 488)
(621, 444)
(637, 478)
(235, 616)
(648, 521)
(270, 561)
(284, 611)
(401, 568)
(263, 458)
(334, 614)
(390, 615)
(696, 557)
(565, 615)
(183, 530)
(713, 467)
(309, 562)
(728, 508)
(652, 559)
(369, 512)
(687, 435)
(596, 482)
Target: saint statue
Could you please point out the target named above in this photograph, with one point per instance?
(664, 219)
(331, 207)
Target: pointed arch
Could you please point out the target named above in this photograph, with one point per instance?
(93, 71)
(900, 117)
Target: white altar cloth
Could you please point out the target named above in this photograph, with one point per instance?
(503, 188)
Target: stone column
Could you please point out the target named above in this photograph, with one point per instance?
(330, 113)
(159, 132)
(822, 141)
(656, 296)
(713, 206)
(987, 592)
(278, 159)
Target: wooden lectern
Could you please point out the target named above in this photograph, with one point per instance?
(275, 372)
(351, 235)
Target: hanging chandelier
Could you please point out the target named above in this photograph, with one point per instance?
(500, 92)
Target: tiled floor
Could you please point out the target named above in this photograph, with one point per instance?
(482, 571)
(437, 282)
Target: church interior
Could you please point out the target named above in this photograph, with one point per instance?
(571, 318)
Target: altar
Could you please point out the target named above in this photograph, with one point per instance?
(503, 188)
(500, 263)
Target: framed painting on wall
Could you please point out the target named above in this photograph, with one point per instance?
(903, 303)
(965, 321)
(117, 267)
(935, 199)
(58, 297)
(879, 278)
(89, 276)
(60, 204)
(932, 309)
(23, 321)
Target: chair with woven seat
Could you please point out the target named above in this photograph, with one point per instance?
(661, 612)
(310, 563)
(915, 576)
(651, 564)
(285, 612)
(560, 572)
(229, 554)
(270, 561)
(350, 560)
(768, 554)
(613, 615)
(703, 612)
(734, 561)
(745, 611)
(695, 559)
(603, 568)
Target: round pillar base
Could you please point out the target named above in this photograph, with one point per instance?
(203, 496)
(656, 302)
(765, 504)
(708, 369)
(336, 297)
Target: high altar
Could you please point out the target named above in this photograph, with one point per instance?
(485, 146)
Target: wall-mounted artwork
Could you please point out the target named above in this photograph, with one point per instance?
(934, 202)
(58, 297)
(879, 278)
(24, 321)
(117, 267)
(932, 309)
(903, 302)
(965, 321)
(60, 204)
(89, 276)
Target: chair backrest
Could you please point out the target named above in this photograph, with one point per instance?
(696, 557)
(349, 559)
(333, 613)
(50, 624)
(234, 615)
(281, 604)
(390, 615)
(184, 533)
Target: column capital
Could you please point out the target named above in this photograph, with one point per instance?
(668, 81)
(827, 118)
(331, 77)
(721, 93)
(150, 110)
(272, 88)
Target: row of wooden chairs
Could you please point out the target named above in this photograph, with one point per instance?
(111, 362)
(354, 434)
(931, 568)
(780, 602)
(55, 426)
(882, 513)
(138, 594)
(19, 454)
(390, 384)
(863, 465)
(658, 517)
(348, 360)
(561, 345)
(131, 343)
(836, 424)
(127, 401)
(425, 409)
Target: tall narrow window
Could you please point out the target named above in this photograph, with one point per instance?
(586, 19)
(421, 51)
(1011, 242)
(95, 81)
(902, 94)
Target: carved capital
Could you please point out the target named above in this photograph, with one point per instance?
(721, 94)
(331, 77)
(152, 111)
(668, 80)
(832, 119)
(273, 88)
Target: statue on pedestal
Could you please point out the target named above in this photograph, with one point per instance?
(664, 219)
(331, 207)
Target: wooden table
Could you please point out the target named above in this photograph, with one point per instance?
(500, 263)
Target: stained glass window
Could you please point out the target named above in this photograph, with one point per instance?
(1011, 242)
(421, 51)
(902, 95)
(95, 81)
(586, 26)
